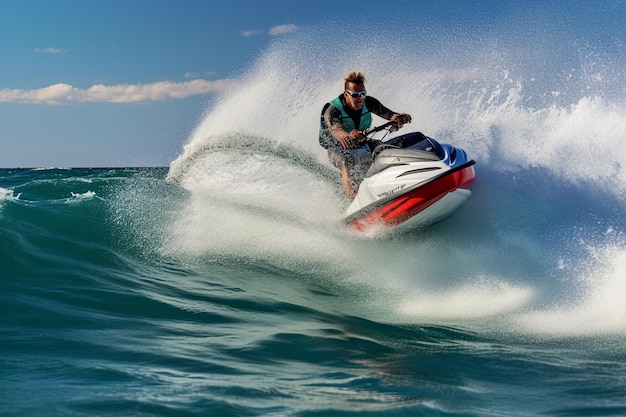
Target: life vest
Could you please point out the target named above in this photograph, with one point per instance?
(346, 121)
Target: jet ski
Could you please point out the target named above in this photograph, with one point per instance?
(413, 180)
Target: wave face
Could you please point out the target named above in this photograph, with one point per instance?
(227, 284)
(542, 112)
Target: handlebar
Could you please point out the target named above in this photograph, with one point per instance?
(379, 128)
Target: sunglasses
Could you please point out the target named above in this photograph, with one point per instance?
(357, 94)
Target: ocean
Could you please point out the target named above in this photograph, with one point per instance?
(227, 285)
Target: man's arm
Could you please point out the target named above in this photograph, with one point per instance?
(379, 109)
(332, 119)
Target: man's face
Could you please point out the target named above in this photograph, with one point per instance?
(355, 103)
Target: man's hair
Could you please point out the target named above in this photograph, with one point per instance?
(354, 77)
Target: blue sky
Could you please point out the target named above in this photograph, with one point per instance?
(124, 82)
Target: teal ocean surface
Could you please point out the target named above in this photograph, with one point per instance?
(227, 285)
(123, 294)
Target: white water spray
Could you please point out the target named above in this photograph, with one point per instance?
(245, 202)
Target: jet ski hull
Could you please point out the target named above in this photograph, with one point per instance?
(414, 180)
(424, 205)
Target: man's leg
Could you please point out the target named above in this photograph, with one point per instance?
(347, 182)
(341, 160)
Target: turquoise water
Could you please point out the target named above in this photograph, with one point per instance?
(107, 310)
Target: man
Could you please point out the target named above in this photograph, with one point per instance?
(342, 123)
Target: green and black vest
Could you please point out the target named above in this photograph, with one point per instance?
(326, 139)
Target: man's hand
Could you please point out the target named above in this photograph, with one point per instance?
(357, 137)
(353, 139)
(401, 119)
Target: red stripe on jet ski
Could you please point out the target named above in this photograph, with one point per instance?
(413, 202)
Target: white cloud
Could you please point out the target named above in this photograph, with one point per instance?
(274, 31)
(282, 29)
(52, 51)
(252, 32)
(123, 93)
